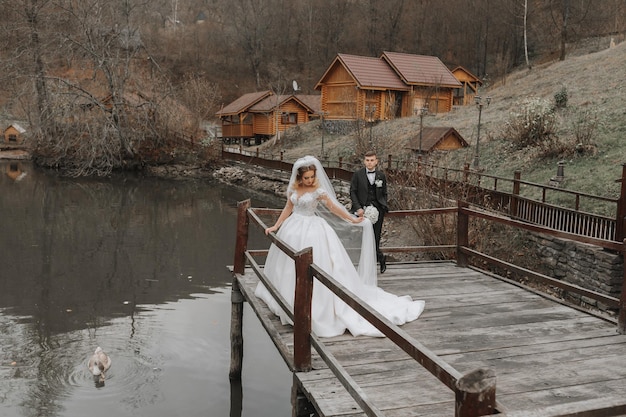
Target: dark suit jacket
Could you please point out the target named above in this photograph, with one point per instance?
(358, 190)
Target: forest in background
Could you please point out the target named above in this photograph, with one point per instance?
(130, 75)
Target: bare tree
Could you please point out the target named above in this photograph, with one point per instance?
(568, 17)
(200, 96)
(526, 34)
(101, 113)
(253, 20)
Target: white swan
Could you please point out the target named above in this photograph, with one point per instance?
(99, 363)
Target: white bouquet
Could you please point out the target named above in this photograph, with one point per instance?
(371, 213)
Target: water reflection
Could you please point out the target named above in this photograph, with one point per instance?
(134, 265)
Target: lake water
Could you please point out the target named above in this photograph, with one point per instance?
(138, 267)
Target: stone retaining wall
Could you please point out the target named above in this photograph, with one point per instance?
(581, 264)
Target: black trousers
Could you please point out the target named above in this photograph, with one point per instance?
(378, 228)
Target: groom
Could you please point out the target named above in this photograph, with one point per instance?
(369, 187)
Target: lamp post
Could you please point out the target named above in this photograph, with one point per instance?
(323, 130)
(370, 109)
(479, 103)
(422, 112)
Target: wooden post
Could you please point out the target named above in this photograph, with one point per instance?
(236, 332)
(466, 173)
(419, 164)
(302, 311)
(241, 244)
(516, 187)
(620, 227)
(300, 404)
(476, 394)
(236, 398)
(621, 319)
(462, 234)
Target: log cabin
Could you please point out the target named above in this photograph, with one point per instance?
(358, 87)
(256, 117)
(437, 139)
(465, 95)
(432, 83)
(14, 134)
(391, 86)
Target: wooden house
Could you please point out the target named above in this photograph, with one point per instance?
(437, 139)
(470, 84)
(431, 83)
(391, 86)
(237, 121)
(256, 117)
(359, 87)
(14, 134)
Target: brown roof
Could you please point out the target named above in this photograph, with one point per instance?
(243, 103)
(371, 72)
(469, 73)
(269, 103)
(310, 103)
(421, 69)
(431, 136)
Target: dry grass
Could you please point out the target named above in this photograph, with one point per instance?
(594, 82)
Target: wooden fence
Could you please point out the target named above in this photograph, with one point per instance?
(503, 195)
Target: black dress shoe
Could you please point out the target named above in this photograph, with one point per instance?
(383, 264)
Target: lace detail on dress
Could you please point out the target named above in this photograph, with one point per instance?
(306, 204)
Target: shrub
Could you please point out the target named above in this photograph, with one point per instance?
(534, 124)
(560, 98)
(584, 127)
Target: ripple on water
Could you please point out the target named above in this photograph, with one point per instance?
(60, 370)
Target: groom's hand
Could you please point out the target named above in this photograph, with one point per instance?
(360, 212)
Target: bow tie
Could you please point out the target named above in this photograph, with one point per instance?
(371, 172)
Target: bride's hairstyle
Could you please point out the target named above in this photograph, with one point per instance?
(304, 169)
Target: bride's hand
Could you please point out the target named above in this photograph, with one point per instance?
(270, 229)
(357, 219)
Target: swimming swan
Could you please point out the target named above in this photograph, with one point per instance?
(99, 363)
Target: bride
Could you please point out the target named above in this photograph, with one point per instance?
(312, 217)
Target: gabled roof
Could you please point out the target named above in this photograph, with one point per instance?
(468, 73)
(421, 69)
(17, 127)
(312, 101)
(243, 103)
(268, 104)
(368, 72)
(431, 136)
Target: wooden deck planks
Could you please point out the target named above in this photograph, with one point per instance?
(544, 354)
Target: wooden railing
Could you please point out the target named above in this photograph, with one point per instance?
(306, 271)
(467, 404)
(237, 131)
(510, 196)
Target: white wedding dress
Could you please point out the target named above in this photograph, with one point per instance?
(330, 316)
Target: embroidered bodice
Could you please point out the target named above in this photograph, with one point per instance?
(306, 204)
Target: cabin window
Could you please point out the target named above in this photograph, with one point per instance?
(12, 137)
(290, 118)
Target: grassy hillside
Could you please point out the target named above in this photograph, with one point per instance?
(594, 84)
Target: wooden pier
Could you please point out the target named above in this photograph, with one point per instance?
(480, 336)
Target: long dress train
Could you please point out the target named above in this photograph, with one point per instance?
(330, 315)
